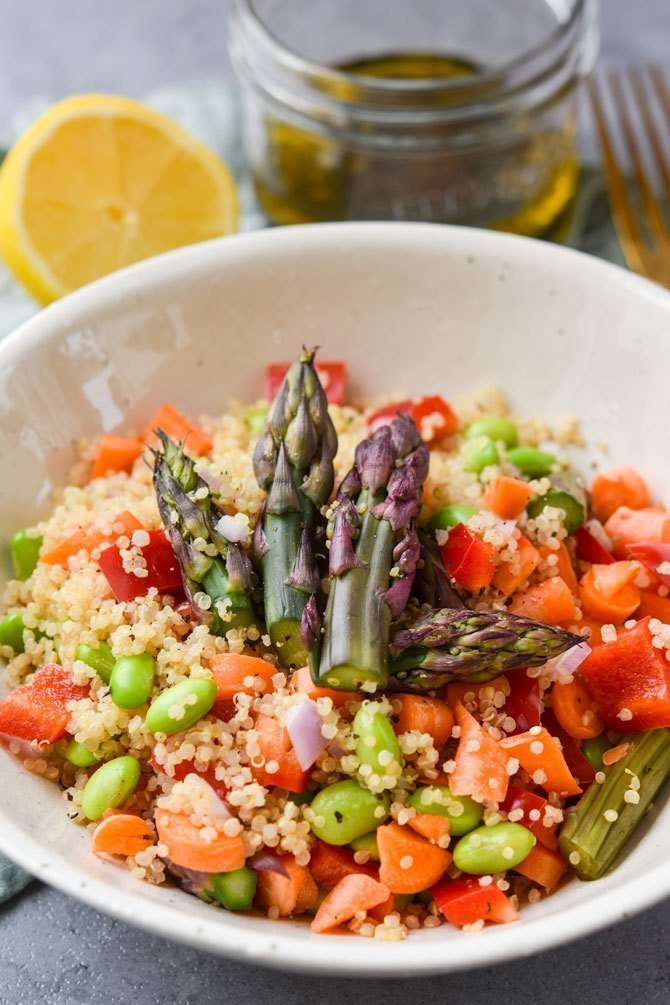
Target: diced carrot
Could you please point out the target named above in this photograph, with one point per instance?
(329, 863)
(427, 715)
(540, 754)
(302, 681)
(90, 537)
(630, 526)
(589, 629)
(618, 487)
(607, 592)
(456, 691)
(653, 605)
(234, 674)
(510, 576)
(543, 866)
(115, 453)
(121, 834)
(409, 863)
(507, 496)
(615, 754)
(195, 440)
(575, 710)
(481, 762)
(294, 893)
(434, 828)
(379, 912)
(275, 745)
(352, 894)
(187, 847)
(549, 601)
(563, 565)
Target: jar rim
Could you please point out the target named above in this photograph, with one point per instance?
(333, 80)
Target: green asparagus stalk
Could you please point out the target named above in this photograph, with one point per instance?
(607, 814)
(211, 566)
(437, 647)
(372, 532)
(293, 461)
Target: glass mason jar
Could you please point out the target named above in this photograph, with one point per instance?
(459, 111)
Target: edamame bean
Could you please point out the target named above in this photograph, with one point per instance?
(559, 499)
(255, 417)
(345, 811)
(531, 462)
(100, 658)
(79, 755)
(132, 679)
(181, 706)
(110, 786)
(367, 843)
(488, 850)
(449, 516)
(11, 632)
(478, 454)
(376, 742)
(462, 812)
(496, 428)
(25, 551)
(236, 889)
(594, 749)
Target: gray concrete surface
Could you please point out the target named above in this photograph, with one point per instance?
(55, 951)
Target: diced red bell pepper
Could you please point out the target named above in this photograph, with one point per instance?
(332, 374)
(468, 558)
(184, 768)
(163, 569)
(581, 769)
(433, 416)
(589, 548)
(464, 902)
(630, 681)
(521, 799)
(652, 554)
(523, 703)
(329, 864)
(38, 710)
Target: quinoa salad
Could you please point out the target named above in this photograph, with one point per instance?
(384, 667)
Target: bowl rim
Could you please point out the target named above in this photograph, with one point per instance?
(278, 948)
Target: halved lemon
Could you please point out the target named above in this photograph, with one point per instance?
(98, 182)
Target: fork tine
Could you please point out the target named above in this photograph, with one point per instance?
(662, 91)
(654, 212)
(651, 127)
(623, 210)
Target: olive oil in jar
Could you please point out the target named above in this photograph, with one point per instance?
(522, 179)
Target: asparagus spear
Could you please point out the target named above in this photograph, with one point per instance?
(293, 461)
(440, 646)
(210, 565)
(373, 531)
(589, 840)
(432, 585)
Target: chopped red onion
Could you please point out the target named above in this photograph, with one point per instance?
(233, 528)
(210, 478)
(215, 806)
(267, 861)
(569, 661)
(596, 529)
(304, 728)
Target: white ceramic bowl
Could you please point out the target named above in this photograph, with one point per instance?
(423, 308)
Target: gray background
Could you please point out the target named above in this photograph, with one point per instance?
(55, 951)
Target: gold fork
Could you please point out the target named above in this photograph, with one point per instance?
(639, 215)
